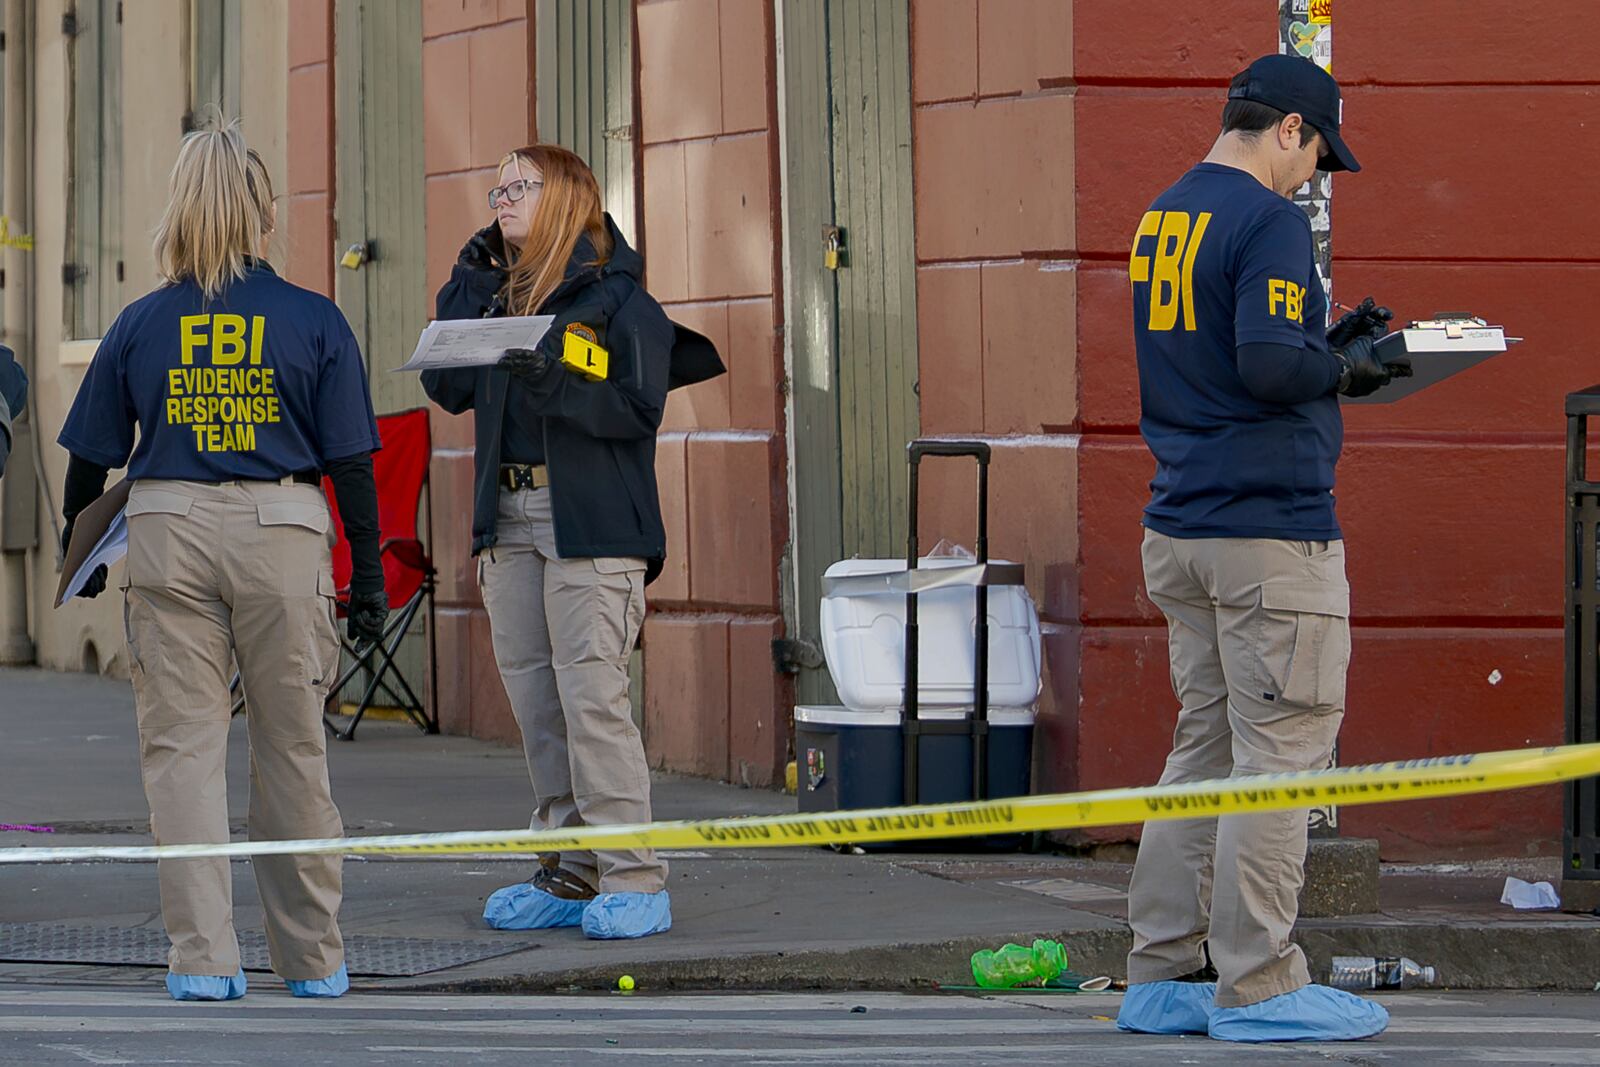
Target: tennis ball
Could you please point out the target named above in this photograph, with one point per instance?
(625, 983)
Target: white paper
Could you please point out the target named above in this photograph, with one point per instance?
(1530, 896)
(111, 547)
(450, 343)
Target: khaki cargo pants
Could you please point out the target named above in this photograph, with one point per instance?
(216, 572)
(1259, 643)
(563, 632)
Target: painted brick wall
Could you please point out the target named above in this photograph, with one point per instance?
(1451, 502)
(309, 182)
(994, 138)
(713, 703)
(477, 106)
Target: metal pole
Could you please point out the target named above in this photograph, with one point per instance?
(1305, 28)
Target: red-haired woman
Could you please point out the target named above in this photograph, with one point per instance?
(567, 524)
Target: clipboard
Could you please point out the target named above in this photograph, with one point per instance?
(1438, 348)
(91, 525)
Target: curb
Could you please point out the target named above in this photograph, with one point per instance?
(1562, 956)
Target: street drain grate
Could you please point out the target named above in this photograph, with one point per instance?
(141, 946)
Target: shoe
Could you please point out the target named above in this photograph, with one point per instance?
(552, 897)
(616, 916)
(1312, 1013)
(1171, 1007)
(336, 984)
(205, 986)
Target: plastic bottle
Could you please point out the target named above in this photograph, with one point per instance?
(1360, 973)
(1014, 965)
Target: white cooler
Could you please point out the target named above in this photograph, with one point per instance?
(853, 755)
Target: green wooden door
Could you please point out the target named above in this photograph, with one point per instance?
(846, 70)
(379, 198)
(378, 204)
(584, 93)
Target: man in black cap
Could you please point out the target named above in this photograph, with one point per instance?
(1243, 555)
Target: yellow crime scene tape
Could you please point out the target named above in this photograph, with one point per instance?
(1377, 783)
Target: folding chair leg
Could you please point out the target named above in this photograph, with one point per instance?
(378, 658)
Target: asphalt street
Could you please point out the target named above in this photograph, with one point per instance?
(77, 1025)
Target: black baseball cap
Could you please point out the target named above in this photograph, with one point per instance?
(1295, 85)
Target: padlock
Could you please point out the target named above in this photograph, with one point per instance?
(832, 247)
(354, 256)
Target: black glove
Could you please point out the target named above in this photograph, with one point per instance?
(485, 249)
(529, 364)
(97, 581)
(1366, 319)
(366, 616)
(1362, 373)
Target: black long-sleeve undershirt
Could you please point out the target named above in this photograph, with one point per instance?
(1283, 374)
(86, 481)
(357, 494)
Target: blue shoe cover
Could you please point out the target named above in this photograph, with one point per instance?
(205, 987)
(614, 916)
(1167, 1007)
(335, 985)
(1313, 1013)
(526, 907)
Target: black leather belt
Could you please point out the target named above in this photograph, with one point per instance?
(307, 478)
(516, 476)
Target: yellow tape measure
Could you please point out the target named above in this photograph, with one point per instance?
(1377, 783)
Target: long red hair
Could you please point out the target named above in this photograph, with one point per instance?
(569, 207)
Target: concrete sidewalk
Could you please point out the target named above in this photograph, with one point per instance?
(768, 919)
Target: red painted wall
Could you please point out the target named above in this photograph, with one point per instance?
(1451, 502)
(714, 704)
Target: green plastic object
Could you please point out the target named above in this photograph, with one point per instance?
(1014, 965)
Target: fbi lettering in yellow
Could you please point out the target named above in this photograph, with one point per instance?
(1168, 268)
(229, 393)
(1288, 294)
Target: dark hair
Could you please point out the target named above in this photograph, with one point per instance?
(1252, 119)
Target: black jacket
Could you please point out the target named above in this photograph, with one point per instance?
(13, 399)
(599, 437)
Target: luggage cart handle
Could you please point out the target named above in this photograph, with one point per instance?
(979, 723)
(977, 450)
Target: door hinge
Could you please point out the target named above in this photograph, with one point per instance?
(791, 655)
(618, 133)
(69, 24)
(72, 273)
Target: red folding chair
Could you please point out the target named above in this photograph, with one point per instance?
(400, 470)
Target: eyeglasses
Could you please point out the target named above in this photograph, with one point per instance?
(511, 192)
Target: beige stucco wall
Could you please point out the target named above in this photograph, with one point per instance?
(155, 91)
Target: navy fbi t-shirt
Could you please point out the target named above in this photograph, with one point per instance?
(262, 382)
(1221, 261)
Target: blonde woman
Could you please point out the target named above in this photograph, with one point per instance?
(566, 523)
(242, 388)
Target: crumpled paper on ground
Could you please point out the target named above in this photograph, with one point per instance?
(1530, 896)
